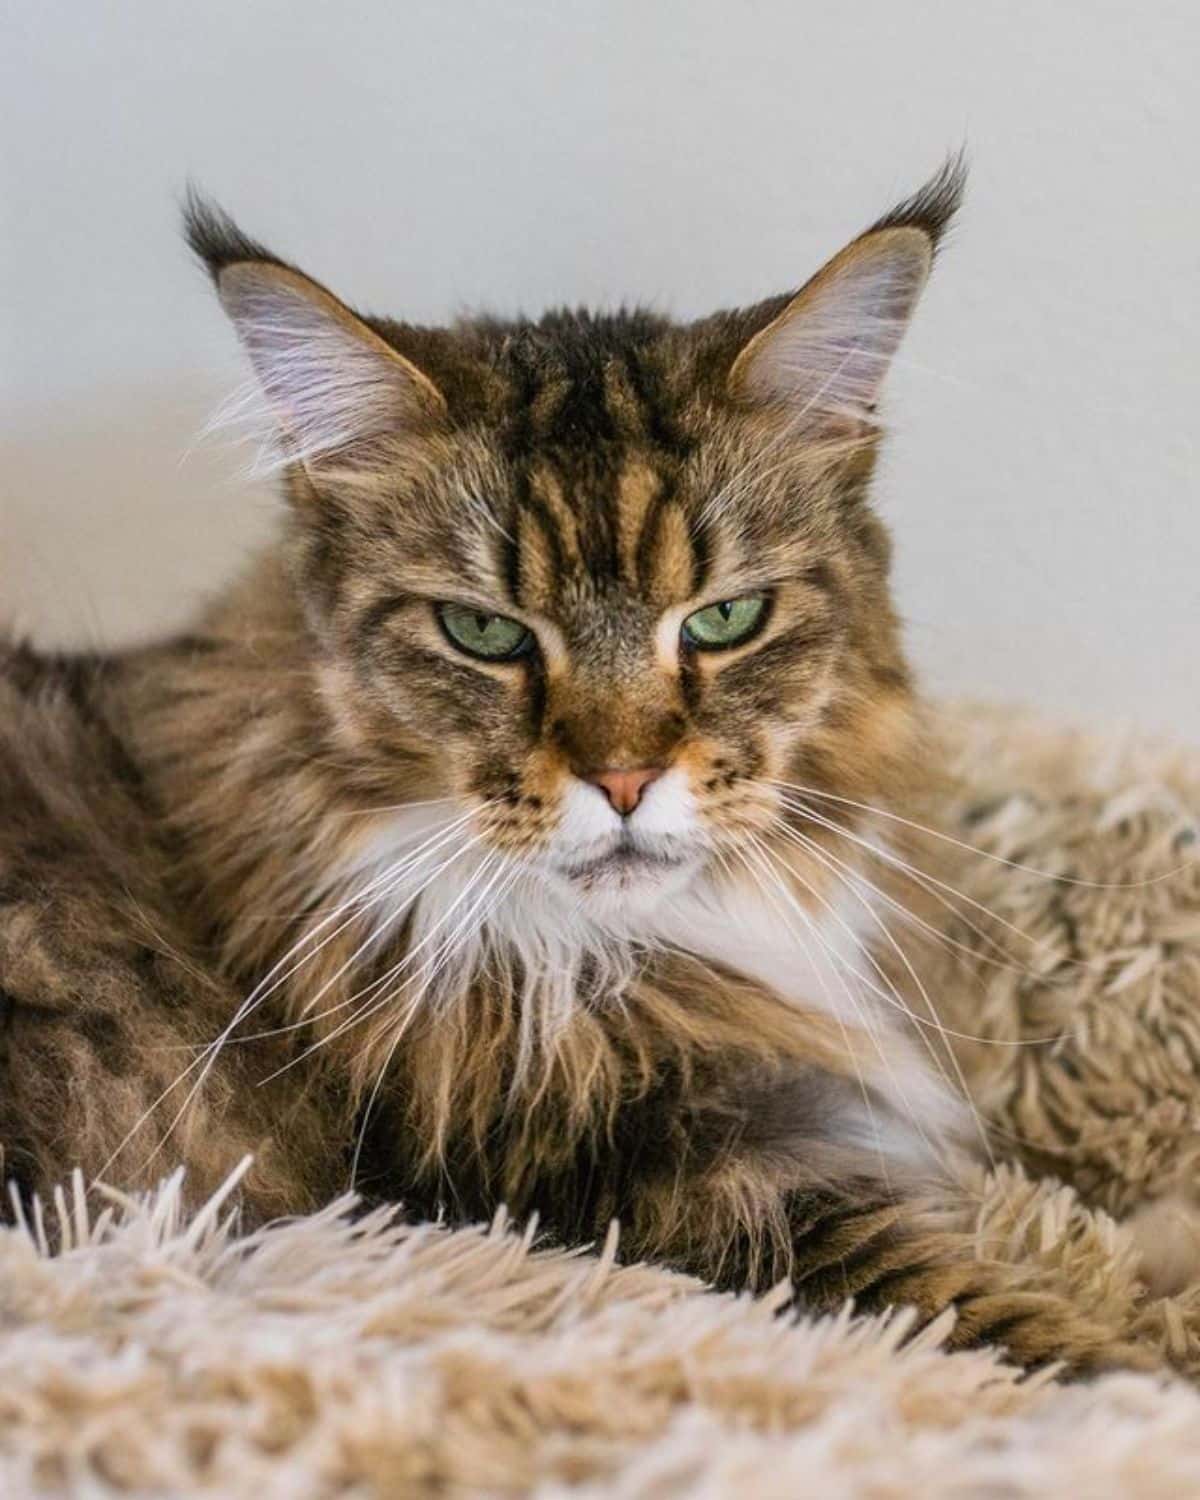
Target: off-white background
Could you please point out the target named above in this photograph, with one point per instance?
(425, 154)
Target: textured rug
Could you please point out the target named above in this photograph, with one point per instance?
(157, 1354)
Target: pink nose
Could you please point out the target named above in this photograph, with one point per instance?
(624, 788)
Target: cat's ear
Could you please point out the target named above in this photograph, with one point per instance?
(333, 385)
(822, 359)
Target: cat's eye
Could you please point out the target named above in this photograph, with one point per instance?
(726, 624)
(493, 637)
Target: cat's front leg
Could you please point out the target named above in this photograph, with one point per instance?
(862, 1241)
(883, 1251)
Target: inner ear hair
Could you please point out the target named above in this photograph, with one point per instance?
(823, 359)
(334, 386)
(330, 379)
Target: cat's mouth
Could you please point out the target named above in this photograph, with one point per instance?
(627, 862)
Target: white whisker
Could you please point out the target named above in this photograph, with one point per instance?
(1012, 864)
(851, 874)
(925, 880)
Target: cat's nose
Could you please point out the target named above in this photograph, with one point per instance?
(624, 788)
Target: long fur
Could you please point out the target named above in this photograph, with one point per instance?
(412, 940)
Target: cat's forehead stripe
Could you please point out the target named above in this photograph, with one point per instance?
(638, 488)
(613, 523)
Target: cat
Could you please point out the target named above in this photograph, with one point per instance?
(485, 843)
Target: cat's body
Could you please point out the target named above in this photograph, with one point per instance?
(515, 899)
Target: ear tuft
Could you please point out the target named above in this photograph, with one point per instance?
(214, 238)
(933, 206)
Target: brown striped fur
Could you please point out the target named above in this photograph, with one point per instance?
(177, 820)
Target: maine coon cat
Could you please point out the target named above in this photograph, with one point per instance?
(488, 841)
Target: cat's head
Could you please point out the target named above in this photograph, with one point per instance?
(610, 581)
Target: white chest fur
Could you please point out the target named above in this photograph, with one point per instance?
(813, 953)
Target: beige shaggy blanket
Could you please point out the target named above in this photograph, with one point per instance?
(156, 1355)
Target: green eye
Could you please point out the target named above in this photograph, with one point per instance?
(494, 637)
(726, 624)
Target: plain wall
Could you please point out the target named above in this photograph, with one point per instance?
(1041, 477)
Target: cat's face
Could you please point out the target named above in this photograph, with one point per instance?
(610, 583)
(619, 656)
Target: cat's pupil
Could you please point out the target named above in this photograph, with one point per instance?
(725, 608)
(482, 622)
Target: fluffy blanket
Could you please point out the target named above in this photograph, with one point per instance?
(152, 1354)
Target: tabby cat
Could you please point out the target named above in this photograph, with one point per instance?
(486, 842)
